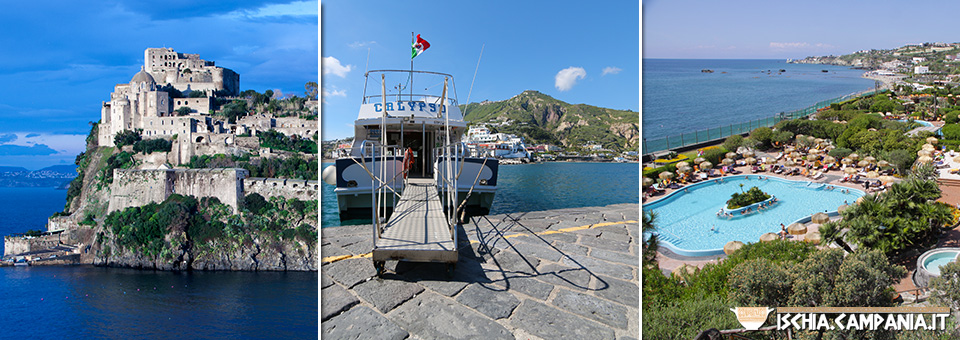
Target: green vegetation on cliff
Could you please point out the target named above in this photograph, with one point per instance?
(293, 167)
(542, 119)
(276, 140)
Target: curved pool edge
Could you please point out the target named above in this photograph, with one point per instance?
(921, 277)
(714, 252)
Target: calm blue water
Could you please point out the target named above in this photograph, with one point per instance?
(677, 97)
(543, 186)
(92, 302)
(685, 218)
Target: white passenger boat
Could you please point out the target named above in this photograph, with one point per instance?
(404, 133)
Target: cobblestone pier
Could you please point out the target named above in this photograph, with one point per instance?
(556, 274)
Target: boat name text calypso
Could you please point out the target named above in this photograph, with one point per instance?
(412, 105)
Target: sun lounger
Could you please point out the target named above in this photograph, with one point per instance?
(754, 169)
(818, 175)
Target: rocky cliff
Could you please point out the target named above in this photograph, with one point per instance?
(184, 232)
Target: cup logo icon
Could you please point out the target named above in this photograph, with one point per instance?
(751, 317)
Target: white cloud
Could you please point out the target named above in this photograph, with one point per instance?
(567, 77)
(65, 144)
(334, 92)
(332, 65)
(359, 44)
(610, 70)
(298, 8)
(789, 45)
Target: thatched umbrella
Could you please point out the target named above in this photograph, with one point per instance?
(956, 159)
(727, 161)
(770, 160)
(731, 155)
(863, 163)
(819, 140)
(811, 139)
(647, 181)
(706, 165)
(932, 140)
(843, 207)
(813, 157)
(748, 153)
(928, 147)
(813, 237)
(924, 159)
(683, 270)
(750, 160)
(699, 160)
(732, 247)
(846, 161)
(922, 153)
(789, 149)
(886, 179)
(801, 137)
(789, 162)
(768, 237)
(685, 170)
(797, 229)
(820, 218)
(858, 200)
(683, 165)
(854, 156)
(814, 151)
(666, 175)
(873, 174)
(794, 154)
(829, 159)
(870, 159)
(850, 170)
(883, 164)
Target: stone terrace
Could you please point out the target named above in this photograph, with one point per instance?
(557, 274)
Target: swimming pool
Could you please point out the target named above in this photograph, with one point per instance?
(934, 260)
(685, 217)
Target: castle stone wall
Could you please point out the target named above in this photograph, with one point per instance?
(290, 188)
(133, 188)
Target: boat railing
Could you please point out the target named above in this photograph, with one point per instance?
(453, 156)
(380, 188)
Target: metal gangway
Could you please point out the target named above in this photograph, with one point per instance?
(423, 224)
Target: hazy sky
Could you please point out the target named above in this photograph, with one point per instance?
(790, 29)
(61, 60)
(575, 51)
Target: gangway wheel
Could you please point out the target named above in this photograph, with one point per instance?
(379, 266)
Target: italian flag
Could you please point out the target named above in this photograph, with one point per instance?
(419, 46)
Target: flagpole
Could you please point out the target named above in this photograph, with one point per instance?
(413, 41)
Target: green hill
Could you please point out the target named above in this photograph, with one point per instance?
(542, 119)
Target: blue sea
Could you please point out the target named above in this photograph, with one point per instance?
(677, 97)
(111, 303)
(535, 187)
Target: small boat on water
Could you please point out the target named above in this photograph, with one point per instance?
(400, 134)
(706, 70)
(824, 71)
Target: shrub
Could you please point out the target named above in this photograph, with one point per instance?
(763, 136)
(752, 196)
(126, 137)
(839, 153)
(733, 142)
(951, 131)
(152, 145)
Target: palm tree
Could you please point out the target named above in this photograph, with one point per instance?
(651, 244)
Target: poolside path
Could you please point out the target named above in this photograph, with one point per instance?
(556, 274)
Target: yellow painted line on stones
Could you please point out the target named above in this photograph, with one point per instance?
(331, 259)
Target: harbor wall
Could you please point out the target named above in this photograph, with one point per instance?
(13, 245)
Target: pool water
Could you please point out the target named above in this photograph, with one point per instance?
(934, 261)
(685, 217)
